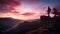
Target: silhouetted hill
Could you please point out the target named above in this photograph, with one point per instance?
(14, 26)
(7, 24)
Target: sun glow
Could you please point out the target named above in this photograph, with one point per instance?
(26, 12)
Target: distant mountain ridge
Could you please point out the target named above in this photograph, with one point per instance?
(7, 23)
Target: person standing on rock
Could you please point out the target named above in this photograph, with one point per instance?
(48, 11)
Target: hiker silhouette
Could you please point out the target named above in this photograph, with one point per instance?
(55, 11)
(48, 11)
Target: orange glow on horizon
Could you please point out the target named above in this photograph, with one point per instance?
(25, 13)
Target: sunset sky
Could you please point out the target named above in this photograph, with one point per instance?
(26, 9)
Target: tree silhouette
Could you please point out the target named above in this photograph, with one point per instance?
(55, 11)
